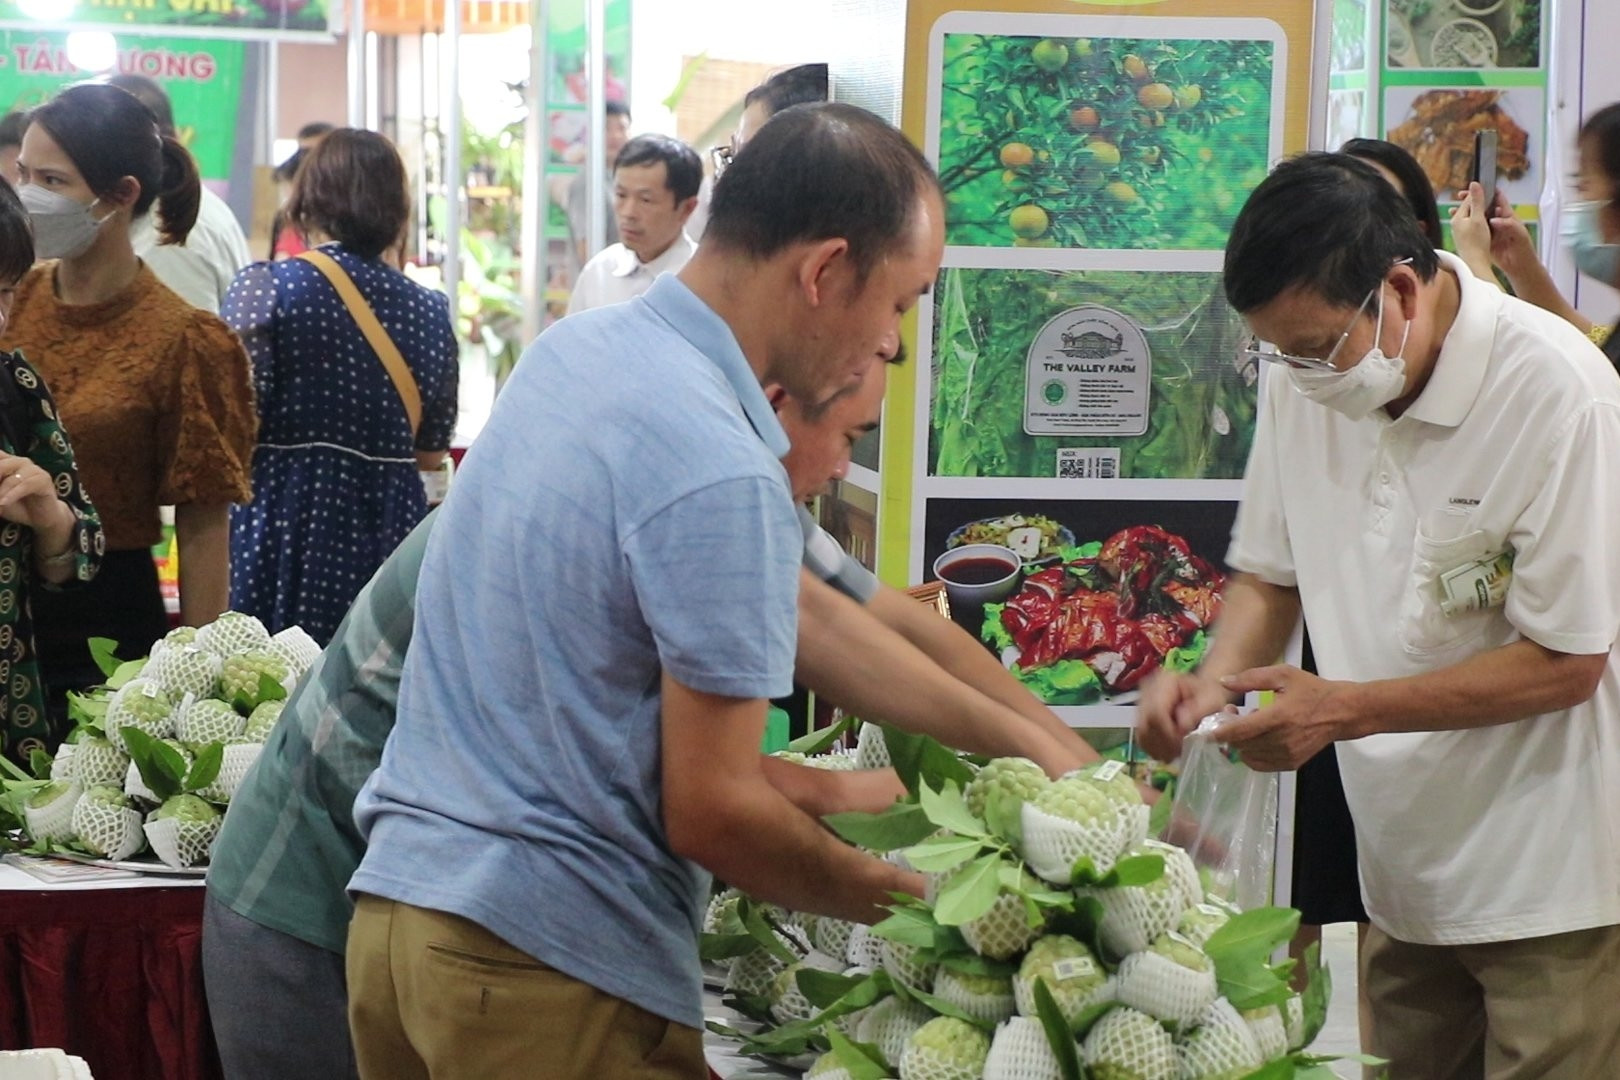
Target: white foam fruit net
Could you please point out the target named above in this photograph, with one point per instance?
(1052, 844)
(1132, 1042)
(54, 820)
(832, 936)
(889, 1025)
(1267, 1026)
(62, 764)
(987, 998)
(186, 669)
(1020, 1051)
(1133, 915)
(865, 950)
(296, 647)
(901, 962)
(1222, 1044)
(945, 1049)
(135, 784)
(114, 831)
(233, 633)
(1179, 868)
(1002, 931)
(182, 843)
(871, 751)
(99, 763)
(1164, 989)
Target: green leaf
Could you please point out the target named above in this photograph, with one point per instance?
(15, 771)
(1062, 1041)
(160, 765)
(860, 1061)
(1251, 984)
(760, 930)
(104, 652)
(688, 72)
(818, 741)
(1318, 989)
(918, 757)
(1004, 814)
(725, 946)
(941, 1006)
(947, 809)
(205, 767)
(39, 763)
(909, 926)
(941, 853)
(971, 963)
(125, 673)
(1281, 1069)
(1159, 814)
(899, 826)
(1253, 935)
(1136, 870)
(822, 988)
(1090, 1015)
(970, 892)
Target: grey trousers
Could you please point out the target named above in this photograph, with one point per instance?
(279, 1006)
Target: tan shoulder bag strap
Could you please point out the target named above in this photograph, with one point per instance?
(381, 343)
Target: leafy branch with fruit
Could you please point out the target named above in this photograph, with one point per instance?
(1101, 142)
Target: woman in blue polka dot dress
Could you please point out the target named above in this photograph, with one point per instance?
(335, 484)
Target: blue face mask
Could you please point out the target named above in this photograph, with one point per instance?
(1583, 235)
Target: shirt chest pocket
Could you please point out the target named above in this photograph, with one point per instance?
(1425, 628)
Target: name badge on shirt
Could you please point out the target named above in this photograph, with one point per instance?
(1477, 585)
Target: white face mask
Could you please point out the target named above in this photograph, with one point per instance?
(63, 227)
(1373, 383)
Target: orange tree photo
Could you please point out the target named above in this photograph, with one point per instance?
(1101, 142)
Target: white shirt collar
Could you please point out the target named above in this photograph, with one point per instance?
(625, 263)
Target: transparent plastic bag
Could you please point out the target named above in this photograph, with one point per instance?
(1225, 816)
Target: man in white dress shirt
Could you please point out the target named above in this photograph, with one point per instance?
(201, 269)
(655, 186)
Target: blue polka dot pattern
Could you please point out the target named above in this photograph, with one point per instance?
(335, 486)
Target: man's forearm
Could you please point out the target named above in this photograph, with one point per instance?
(1257, 619)
(1515, 682)
(854, 660)
(949, 646)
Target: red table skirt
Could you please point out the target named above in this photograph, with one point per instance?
(113, 976)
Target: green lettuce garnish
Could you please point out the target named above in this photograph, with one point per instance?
(1186, 657)
(993, 633)
(1067, 682)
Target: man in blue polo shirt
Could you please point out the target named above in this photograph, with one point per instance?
(606, 602)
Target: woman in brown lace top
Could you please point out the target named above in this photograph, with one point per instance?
(155, 394)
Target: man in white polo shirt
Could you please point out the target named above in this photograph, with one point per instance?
(655, 187)
(1433, 482)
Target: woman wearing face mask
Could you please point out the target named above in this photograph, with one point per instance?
(49, 534)
(1591, 230)
(156, 395)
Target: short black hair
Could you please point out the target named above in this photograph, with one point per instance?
(816, 172)
(683, 169)
(1415, 183)
(315, 129)
(1324, 222)
(287, 171)
(799, 85)
(16, 236)
(616, 108)
(1601, 134)
(150, 94)
(12, 126)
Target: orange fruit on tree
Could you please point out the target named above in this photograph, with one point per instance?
(1136, 68)
(1015, 155)
(1188, 96)
(1150, 155)
(1121, 192)
(1103, 152)
(1082, 47)
(1156, 95)
(1015, 181)
(1028, 221)
(1085, 118)
(1206, 155)
(1049, 55)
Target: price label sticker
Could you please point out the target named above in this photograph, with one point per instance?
(1108, 770)
(1075, 967)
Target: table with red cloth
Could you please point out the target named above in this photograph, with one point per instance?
(108, 970)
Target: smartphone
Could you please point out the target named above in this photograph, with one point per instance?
(1484, 172)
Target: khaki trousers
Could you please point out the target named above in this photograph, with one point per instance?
(433, 996)
(1544, 1008)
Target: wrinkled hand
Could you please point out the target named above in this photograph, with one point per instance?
(1171, 706)
(28, 494)
(1471, 228)
(1305, 718)
(870, 791)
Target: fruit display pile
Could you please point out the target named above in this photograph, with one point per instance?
(1100, 142)
(160, 748)
(1057, 941)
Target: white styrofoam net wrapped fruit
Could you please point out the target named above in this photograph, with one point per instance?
(48, 813)
(987, 998)
(945, 1048)
(1133, 915)
(1071, 973)
(889, 1024)
(788, 1002)
(1069, 820)
(1130, 1045)
(233, 769)
(1222, 1045)
(1004, 930)
(871, 751)
(902, 963)
(1020, 1051)
(1172, 981)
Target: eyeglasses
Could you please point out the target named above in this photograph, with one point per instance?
(1265, 350)
(721, 156)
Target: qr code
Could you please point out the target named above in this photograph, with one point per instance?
(1088, 464)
